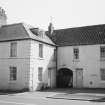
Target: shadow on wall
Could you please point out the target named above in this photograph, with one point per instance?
(49, 75)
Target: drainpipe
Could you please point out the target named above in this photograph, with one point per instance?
(56, 63)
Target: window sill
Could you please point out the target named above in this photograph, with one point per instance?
(40, 58)
(12, 82)
(12, 57)
(76, 60)
(39, 82)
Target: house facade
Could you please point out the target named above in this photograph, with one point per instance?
(80, 56)
(26, 69)
(33, 59)
(87, 69)
(26, 58)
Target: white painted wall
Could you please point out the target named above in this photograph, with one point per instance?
(45, 62)
(89, 60)
(22, 62)
(27, 63)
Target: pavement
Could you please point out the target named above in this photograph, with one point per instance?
(61, 97)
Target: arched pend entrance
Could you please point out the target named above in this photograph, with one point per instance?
(64, 78)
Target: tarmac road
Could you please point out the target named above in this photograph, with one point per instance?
(39, 98)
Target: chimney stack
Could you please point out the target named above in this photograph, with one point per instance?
(3, 17)
(50, 28)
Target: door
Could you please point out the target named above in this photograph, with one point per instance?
(79, 78)
(52, 77)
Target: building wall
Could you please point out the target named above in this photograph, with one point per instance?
(27, 63)
(89, 61)
(47, 63)
(22, 62)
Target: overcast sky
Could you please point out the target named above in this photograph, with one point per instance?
(65, 13)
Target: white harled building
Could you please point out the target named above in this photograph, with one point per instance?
(26, 57)
(34, 59)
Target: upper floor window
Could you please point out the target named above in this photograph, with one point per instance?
(13, 49)
(76, 53)
(13, 73)
(102, 51)
(41, 50)
(40, 71)
(102, 73)
(55, 53)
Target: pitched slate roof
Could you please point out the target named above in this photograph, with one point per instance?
(20, 31)
(87, 35)
(11, 32)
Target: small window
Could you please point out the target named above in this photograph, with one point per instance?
(102, 72)
(40, 71)
(49, 73)
(54, 58)
(13, 49)
(41, 33)
(13, 73)
(41, 50)
(76, 53)
(102, 51)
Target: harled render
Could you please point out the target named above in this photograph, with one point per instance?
(80, 56)
(33, 59)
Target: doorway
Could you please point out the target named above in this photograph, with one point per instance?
(79, 78)
(64, 78)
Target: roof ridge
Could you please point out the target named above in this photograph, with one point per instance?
(7, 25)
(33, 36)
(80, 27)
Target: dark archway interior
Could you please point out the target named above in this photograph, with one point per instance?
(64, 78)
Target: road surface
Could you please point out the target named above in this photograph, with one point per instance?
(39, 98)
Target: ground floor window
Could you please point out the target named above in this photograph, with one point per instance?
(40, 71)
(13, 73)
(102, 72)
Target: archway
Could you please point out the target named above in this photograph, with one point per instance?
(64, 78)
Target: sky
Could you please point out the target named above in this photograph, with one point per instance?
(64, 13)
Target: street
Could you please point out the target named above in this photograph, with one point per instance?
(39, 98)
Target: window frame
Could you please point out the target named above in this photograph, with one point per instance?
(40, 50)
(102, 74)
(75, 53)
(13, 49)
(102, 51)
(40, 74)
(55, 55)
(13, 73)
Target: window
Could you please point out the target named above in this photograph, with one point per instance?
(54, 59)
(40, 70)
(102, 51)
(13, 73)
(76, 53)
(41, 33)
(13, 49)
(41, 50)
(102, 72)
